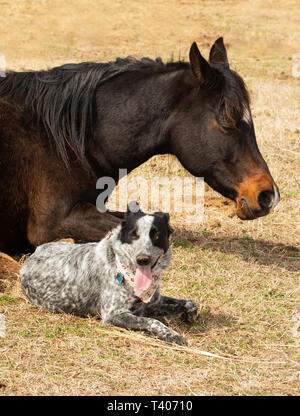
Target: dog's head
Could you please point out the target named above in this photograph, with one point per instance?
(143, 240)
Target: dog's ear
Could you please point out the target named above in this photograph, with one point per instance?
(123, 225)
(170, 229)
(133, 208)
(166, 217)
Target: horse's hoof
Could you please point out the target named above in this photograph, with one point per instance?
(9, 273)
(66, 240)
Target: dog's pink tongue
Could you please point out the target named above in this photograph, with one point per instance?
(143, 277)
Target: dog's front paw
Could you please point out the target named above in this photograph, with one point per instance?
(174, 338)
(191, 313)
(166, 334)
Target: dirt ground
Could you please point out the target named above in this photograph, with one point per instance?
(244, 276)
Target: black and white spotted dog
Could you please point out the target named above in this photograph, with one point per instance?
(119, 277)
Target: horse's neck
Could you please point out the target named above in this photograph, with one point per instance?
(136, 127)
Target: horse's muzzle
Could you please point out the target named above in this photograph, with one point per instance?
(251, 204)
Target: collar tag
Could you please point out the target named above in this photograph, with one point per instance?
(120, 277)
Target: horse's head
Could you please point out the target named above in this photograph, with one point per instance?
(213, 134)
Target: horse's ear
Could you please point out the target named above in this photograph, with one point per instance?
(199, 65)
(218, 54)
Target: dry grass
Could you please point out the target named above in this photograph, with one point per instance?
(244, 276)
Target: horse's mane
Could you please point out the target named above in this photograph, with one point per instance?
(62, 98)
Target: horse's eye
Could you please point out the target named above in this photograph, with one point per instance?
(229, 157)
(228, 125)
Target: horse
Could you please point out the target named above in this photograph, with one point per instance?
(62, 128)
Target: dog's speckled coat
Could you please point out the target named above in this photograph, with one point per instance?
(81, 278)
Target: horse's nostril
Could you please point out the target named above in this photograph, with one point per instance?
(143, 260)
(265, 199)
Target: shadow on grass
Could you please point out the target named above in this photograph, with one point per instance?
(254, 251)
(207, 321)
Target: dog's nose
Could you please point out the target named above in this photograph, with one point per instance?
(143, 260)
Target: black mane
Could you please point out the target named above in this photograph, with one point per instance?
(62, 98)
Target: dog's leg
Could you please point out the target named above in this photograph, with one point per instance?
(170, 306)
(129, 321)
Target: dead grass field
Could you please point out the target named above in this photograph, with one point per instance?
(244, 276)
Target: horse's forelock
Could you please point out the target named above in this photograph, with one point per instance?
(234, 100)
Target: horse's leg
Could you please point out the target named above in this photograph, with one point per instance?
(118, 214)
(82, 223)
(86, 223)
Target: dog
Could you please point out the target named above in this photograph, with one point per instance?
(119, 277)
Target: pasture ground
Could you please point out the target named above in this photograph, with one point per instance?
(244, 276)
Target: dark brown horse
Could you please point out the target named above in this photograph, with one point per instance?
(62, 129)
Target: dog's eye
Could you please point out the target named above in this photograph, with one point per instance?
(156, 236)
(133, 235)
